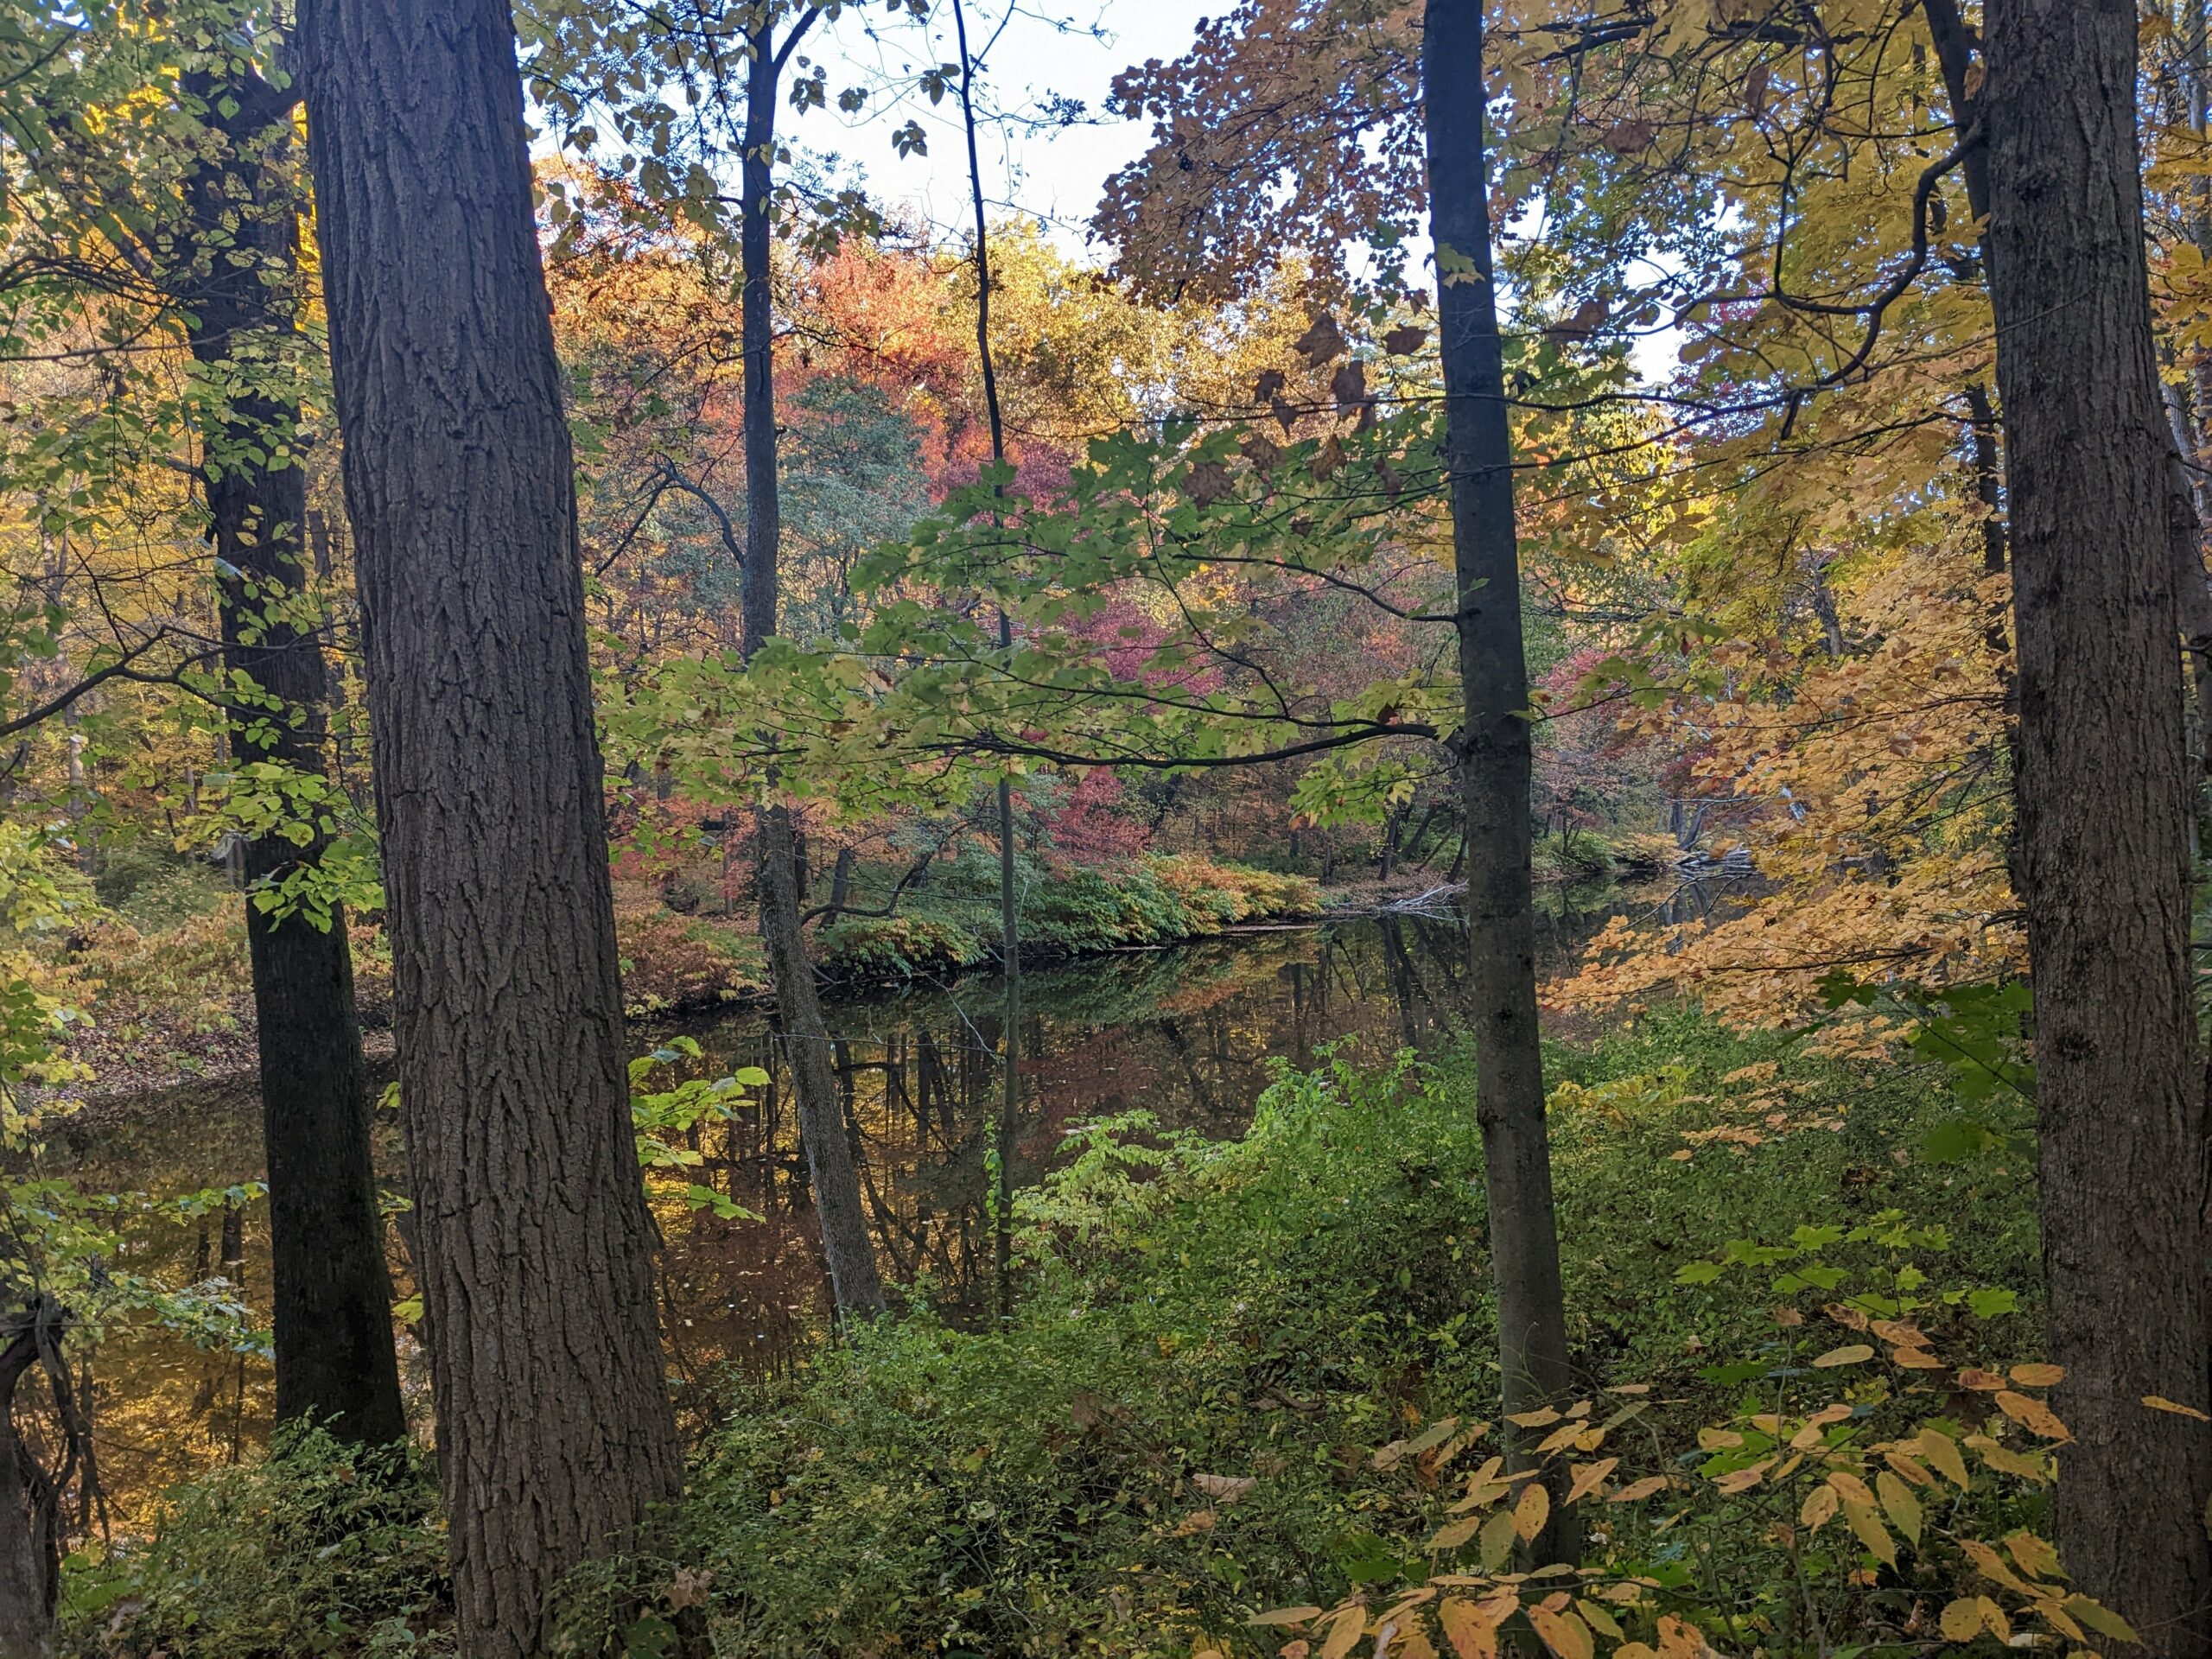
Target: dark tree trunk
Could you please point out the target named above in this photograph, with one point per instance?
(30, 1493)
(555, 1431)
(330, 1292)
(1494, 758)
(1009, 906)
(2104, 852)
(845, 1242)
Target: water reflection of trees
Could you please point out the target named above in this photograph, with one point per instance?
(1191, 1035)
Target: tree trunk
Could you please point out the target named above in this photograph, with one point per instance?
(30, 1494)
(555, 1430)
(2104, 854)
(1009, 907)
(845, 1242)
(1494, 758)
(330, 1292)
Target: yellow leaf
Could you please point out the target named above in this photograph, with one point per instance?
(1993, 1616)
(1914, 1472)
(1457, 1533)
(1588, 1478)
(2100, 1618)
(1852, 1353)
(1820, 1509)
(1471, 1634)
(2159, 1403)
(1636, 1491)
(1914, 1359)
(1532, 1511)
(1564, 1634)
(1345, 1628)
(2043, 1376)
(1559, 1439)
(1718, 1440)
(2032, 1415)
(1536, 1419)
(1497, 1541)
(2034, 1555)
(1595, 1615)
(2057, 1618)
(1742, 1480)
(1850, 1488)
(1285, 1616)
(1871, 1533)
(1991, 1566)
(1899, 1504)
(2007, 1461)
(1940, 1450)
(1961, 1620)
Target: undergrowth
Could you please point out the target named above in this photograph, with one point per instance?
(1191, 1418)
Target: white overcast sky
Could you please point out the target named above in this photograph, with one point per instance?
(1051, 174)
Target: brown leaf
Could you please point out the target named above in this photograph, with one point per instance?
(1349, 387)
(1268, 386)
(1210, 482)
(1223, 1489)
(1589, 317)
(1285, 413)
(689, 1587)
(1401, 342)
(1261, 450)
(1321, 343)
(1626, 138)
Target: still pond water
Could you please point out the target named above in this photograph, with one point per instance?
(1190, 1034)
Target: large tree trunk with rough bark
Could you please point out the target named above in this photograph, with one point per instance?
(829, 1157)
(556, 1435)
(1494, 758)
(330, 1292)
(30, 1492)
(2103, 808)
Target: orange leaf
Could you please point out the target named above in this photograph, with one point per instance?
(1471, 1635)
(2032, 1415)
(1589, 1478)
(1564, 1634)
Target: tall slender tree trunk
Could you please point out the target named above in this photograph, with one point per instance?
(832, 1171)
(1009, 907)
(1494, 761)
(331, 1291)
(556, 1435)
(2104, 852)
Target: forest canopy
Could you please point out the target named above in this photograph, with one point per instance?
(1434, 886)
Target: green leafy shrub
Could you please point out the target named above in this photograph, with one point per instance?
(905, 944)
(316, 1549)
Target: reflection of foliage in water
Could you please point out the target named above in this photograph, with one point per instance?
(1190, 1034)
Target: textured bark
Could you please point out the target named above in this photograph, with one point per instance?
(2104, 854)
(1495, 742)
(851, 1254)
(555, 1431)
(30, 1517)
(331, 1291)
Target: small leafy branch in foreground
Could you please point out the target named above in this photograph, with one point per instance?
(1865, 1490)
